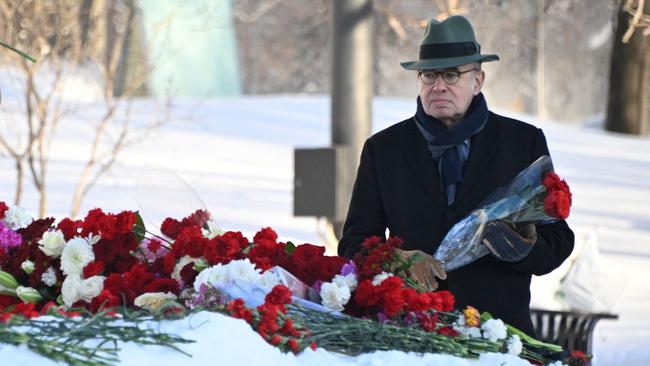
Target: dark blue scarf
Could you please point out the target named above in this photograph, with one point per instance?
(446, 145)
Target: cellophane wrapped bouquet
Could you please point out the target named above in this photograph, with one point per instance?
(536, 195)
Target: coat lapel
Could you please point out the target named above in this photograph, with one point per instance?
(484, 145)
(420, 160)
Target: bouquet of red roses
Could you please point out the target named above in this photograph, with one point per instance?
(536, 195)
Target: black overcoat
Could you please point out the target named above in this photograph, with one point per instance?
(397, 187)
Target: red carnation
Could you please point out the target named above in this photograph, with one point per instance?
(557, 204)
(237, 309)
(170, 227)
(552, 182)
(124, 221)
(429, 322)
(279, 295)
(3, 209)
(70, 228)
(105, 300)
(265, 235)
(170, 263)
(94, 268)
(372, 242)
(163, 285)
(154, 245)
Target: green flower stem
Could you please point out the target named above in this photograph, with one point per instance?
(67, 340)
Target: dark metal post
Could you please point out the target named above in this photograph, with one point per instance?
(351, 91)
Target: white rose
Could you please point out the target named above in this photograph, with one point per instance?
(333, 296)
(70, 290)
(52, 243)
(91, 287)
(49, 277)
(153, 300)
(76, 254)
(17, 218)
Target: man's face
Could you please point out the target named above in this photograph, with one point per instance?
(449, 102)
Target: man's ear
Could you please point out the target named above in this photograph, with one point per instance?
(478, 82)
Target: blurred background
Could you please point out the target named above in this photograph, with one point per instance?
(256, 110)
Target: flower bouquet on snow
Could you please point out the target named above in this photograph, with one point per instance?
(535, 196)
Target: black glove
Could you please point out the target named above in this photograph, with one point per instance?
(507, 243)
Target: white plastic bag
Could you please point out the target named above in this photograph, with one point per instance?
(592, 284)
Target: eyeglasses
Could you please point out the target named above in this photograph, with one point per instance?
(450, 77)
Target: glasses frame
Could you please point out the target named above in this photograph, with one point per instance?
(441, 74)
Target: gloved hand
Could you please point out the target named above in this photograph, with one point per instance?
(424, 268)
(507, 243)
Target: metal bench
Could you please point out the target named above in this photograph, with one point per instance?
(570, 329)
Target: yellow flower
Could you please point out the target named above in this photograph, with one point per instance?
(472, 317)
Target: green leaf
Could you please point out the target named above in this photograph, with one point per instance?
(138, 229)
(290, 247)
(21, 53)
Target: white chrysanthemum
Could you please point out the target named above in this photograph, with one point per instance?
(70, 290)
(27, 266)
(268, 280)
(184, 261)
(210, 275)
(153, 300)
(494, 329)
(333, 296)
(378, 279)
(244, 270)
(349, 280)
(52, 243)
(76, 254)
(16, 218)
(557, 363)
(91, 287)
(514, 345)
(49, 277)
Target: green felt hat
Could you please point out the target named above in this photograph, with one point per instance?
(447, 44)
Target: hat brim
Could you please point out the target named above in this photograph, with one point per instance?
(441, 63)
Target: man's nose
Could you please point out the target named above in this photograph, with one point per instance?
(439, 84)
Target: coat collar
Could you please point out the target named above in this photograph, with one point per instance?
(484, 145)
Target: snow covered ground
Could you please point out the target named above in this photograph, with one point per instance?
(235, 156)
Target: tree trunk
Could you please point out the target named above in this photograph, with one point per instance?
(19, 182)
(628, 108)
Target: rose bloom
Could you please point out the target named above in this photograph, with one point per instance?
(91, 287)
(76, 254)
(153, 300)
(70, 290)
(52, 243)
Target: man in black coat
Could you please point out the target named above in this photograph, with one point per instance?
(419, 177)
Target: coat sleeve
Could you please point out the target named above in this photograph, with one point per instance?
(554, 241)
(365, 216)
